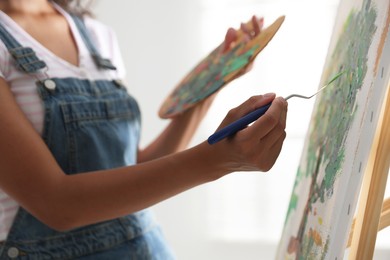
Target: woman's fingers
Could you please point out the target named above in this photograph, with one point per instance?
(283, 116)
(246, 29)
(272, 137)
(258, 146)
(271, 131)
(249, 30)
(230, 37)
(257, 24)
(274, 117)
(266, 162)
(253, 28)
(248, 106)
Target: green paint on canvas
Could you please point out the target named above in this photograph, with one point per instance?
(331, 122)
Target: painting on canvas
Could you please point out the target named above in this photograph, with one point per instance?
(340, 135)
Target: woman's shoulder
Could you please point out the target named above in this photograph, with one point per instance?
(99, 29)
(5, 57)
(106, 41)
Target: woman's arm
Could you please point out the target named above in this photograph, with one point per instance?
(30, 174)
(177, 134)
(182, 128)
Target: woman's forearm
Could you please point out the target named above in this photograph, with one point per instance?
(178, 134)
(112, 193)
(66, 201)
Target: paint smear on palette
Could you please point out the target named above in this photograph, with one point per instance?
(215, 71)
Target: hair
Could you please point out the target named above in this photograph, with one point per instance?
(77, 7)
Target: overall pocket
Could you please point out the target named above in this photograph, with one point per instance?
(101, 134)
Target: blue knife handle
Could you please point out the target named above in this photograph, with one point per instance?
(237, 125)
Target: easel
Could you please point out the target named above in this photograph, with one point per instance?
(373, 212)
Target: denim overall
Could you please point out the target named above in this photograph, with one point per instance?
(88, 126)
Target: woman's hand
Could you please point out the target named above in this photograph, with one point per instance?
(256, 147)
(246, 32)
(180, 131)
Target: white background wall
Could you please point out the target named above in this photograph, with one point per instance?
(240, 216)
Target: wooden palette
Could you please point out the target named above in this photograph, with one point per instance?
(215, 71)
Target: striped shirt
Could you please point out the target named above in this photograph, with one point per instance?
(23, 85)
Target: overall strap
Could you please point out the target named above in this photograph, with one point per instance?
(99, 60)
(25, 57)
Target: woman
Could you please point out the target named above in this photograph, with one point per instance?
(64, 111)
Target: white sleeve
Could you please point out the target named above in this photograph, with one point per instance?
(106, 42)
(4, 61)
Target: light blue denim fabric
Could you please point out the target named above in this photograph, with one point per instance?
(89, 125)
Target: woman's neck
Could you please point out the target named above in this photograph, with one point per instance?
(31, 7)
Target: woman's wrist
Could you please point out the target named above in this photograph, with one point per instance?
(211, 163)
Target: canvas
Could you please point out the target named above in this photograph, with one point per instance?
(340, 134)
